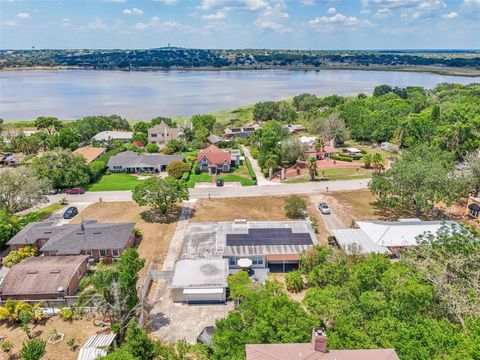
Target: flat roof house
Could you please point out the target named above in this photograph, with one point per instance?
(132, 162)
(90, 154)
(97, 240)
(387, 237)
(214, 160)
(315, 350)
(43, 278)
(199, 280)
(273, 244)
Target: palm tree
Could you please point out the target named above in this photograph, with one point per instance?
(271, 163)
(378, 162)
(367, 159)
(312, 167)
(319, 143)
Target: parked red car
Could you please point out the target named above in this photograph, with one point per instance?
(75, 191)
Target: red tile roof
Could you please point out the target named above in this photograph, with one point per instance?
(214, 155)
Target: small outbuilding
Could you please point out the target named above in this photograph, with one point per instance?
(96, 347)
(199, 280)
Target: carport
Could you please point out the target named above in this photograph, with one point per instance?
(282, 262)
(199, 295)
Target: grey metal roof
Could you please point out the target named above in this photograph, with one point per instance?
(209, 239)
(199, 273)
(134, 160)
(111, 135)
(94, 347)
(356, 241)
(71, 239)
(213, 139)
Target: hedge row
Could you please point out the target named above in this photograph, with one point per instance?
(340, 157)
(250, 169)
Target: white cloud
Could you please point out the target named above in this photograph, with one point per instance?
(332, 11)
(23, 15)
(328, 23)
(382, 13)
(450, 15)
(271, 18)
(167, 2)
(133, 11)
(156, 24)
(250, 5)
(219, 15)
(8, 23)
(97, 24)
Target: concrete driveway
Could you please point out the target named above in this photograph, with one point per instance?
(172, 322)
(330, 220)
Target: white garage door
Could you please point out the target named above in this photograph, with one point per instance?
(204, 295)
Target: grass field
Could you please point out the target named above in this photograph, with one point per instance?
(115, 182)
(335, 174)
(234, 117)
(194, 178)
(245, 181)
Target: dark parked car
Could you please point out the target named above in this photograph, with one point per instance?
(75, 191)
(70, 212)
(220, 182)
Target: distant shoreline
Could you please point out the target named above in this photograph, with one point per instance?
(451, 71)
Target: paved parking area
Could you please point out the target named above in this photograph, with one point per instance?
(171, 321)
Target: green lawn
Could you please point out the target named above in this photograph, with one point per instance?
(236, 178)
(335, 174)
(114, 182)
(194, 178)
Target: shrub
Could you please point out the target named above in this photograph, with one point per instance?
(295, 206)
(97, 168)
(250, 169)
(66, 314)
(254, 152)
(294, 281)
(176, 169)
(152, 148)
(6, 346)
(33, 349)
(314, 222)
(198, 171)
(15, 256)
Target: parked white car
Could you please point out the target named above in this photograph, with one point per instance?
(323, 207)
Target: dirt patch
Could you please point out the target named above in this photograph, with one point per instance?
(156, 237)
(80, 330)
(250, 208)
(280, 277)
(351, 206)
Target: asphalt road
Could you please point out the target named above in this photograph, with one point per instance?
(310, 188)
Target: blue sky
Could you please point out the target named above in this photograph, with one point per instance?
(287, 24)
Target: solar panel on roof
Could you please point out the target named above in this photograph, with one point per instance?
(269, 237)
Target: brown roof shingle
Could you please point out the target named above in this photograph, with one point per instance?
(305, 352)
(41, 275)
(89, 153)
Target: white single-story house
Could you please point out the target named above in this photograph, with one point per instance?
(199, 280)
(387, 237)
(106, 136)
(132, 162)
(275, 245)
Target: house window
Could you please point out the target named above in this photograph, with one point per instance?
(115, 253)
(257, 260)
(103, 252)
(232, 261)
(154, 135)
(225, 167)
(474, 212)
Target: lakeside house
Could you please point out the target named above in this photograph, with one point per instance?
(132, 162)
(96, 240)
(43, 278)
(387, 237)
(161, 133)
(316, 349)
(90, 154)
(107, 136)
(241, 132)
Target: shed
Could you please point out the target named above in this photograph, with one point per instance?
(96, 347)
(353, 151)
(199, 280)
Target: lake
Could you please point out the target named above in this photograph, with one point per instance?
(71, 94)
